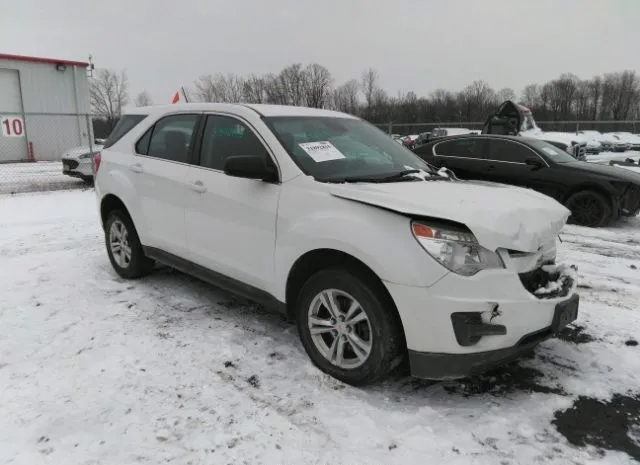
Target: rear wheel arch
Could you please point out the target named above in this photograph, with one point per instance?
(110, 203)
(317, 260)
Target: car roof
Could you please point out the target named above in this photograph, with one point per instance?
(261, 109)
(485, 136)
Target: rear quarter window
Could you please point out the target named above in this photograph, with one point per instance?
(126, 124)
(462, 148)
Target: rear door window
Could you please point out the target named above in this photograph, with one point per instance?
(171, 138)
(463, 148)
(511, 151)
(126, 124)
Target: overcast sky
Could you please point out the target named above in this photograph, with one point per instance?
(415, 45)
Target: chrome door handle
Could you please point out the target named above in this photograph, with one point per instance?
(137, 168)
(198, 187)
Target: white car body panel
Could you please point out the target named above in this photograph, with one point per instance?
(231, 227)
(254, 232)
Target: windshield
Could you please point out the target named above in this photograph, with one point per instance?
(551, 151)
(330, 148)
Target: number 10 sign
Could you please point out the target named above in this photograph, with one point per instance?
(12, 126)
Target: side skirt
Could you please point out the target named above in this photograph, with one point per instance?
(216, 279)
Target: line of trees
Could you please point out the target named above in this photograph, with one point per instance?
(613, 96)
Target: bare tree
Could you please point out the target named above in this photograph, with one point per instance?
(595, 97)
(205, 89)
(620, 91)
(506, 93)
(255, 89)
(317, 83)
(220, 88)
(581, 100)
(108, 94)
(274, 90)
(478, 99)
(292, 82)
(143, 99)
(345, 97)
(369, 82)
(531, 96)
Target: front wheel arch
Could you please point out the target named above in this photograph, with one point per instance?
(320, 259)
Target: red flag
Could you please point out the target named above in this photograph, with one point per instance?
(176, 98)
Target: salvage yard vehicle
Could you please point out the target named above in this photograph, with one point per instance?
(78, 162)
(606, 141)
(375, 255)
(632, 140)
(597, 195)
(517, 120)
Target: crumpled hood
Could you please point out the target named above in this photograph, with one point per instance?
(500, 216)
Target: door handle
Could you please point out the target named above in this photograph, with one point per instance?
(198, 187)
(136, 168)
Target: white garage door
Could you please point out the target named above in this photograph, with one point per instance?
(13, 142)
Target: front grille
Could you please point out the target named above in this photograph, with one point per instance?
(538, 279)
(70, 164)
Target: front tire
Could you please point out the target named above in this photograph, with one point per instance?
(589, 208)
(124, 248)
(347, 327)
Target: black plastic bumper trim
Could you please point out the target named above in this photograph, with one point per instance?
(469, 328)
(438, 366)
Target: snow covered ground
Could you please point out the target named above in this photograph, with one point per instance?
(33, 177)
(97, 370)
(606, 157)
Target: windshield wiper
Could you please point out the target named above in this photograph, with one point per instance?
(395, 177)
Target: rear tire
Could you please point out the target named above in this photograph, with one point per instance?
(357, 347)
(124, 248)
(590, 208)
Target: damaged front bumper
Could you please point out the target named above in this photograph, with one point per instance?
(630, 203)
(465, 326)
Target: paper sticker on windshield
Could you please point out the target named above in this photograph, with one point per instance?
(321, 151)
(550, 151)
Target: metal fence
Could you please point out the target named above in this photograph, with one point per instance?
(561, 126)
(32, 146)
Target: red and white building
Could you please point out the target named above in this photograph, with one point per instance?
(43, 107)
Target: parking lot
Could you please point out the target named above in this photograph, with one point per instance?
(95, 369)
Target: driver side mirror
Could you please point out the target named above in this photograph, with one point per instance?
(534, 162)
(250, 167)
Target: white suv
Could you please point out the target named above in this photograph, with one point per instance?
(376, 256)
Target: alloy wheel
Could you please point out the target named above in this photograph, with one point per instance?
(587, 211)
(119, 244)
(340, 328)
